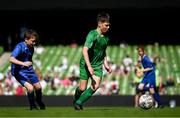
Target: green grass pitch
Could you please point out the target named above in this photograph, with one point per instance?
(89, 112)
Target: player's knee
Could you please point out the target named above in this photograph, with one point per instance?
(37, 86)
(151, 90)
(82, 88)
(140, 88)
(95, 87)
(138, 91)
(30, 89)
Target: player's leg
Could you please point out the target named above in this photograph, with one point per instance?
(90, 91)
(152, 89)
(96, 79)
(30, 95)
(23, 79)
(136, 100)
(155, 96)
(38, 92)
(80, 89)
(84, 75)
(142, 87)
(136, 97)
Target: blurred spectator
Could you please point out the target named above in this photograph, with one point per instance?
(160, 87)
(47, 77)
(39, 49)
(74, 70)
(74, 80)
(170, 82)
(156, 59)
(119, 71)
(9, 83)
(105, 87)
(127, 62)
(1, 80)
(123, 44)
(113, 66)
(8, 91)
(74, 44)
(64, 63)
(19, 91)
(114, 86)
(65, 82)
(37, 62)
(55, 82)
(63, 66)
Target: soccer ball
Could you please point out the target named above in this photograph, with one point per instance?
(146, 101)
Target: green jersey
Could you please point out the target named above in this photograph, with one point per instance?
(96, 45)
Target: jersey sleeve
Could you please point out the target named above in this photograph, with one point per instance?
(148, 62)
(16, 51)
(89, 40)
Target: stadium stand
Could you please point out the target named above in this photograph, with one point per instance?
(50, 62)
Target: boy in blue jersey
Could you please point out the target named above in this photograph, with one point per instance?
(149, 75)
(22, 69)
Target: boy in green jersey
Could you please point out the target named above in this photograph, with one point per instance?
(92, 61)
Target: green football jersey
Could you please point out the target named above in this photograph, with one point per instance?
(96, 45)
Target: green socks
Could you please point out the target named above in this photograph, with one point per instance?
(78, 93)
(85, 96)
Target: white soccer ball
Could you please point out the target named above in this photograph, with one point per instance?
(146, 101)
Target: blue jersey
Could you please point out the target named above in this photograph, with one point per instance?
(22, 53)
(147, 63)
(149, 76)
(23, 74)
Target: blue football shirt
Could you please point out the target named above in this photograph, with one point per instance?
(22, 53)
(147, 63)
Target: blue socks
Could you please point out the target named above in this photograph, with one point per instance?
(146, 89)
(31, 99)
(157, 98)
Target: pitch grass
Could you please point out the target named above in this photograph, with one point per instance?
(89, 112)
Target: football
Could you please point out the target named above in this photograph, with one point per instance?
(146, 101)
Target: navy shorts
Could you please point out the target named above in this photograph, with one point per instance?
(150, 79)
(26, 76)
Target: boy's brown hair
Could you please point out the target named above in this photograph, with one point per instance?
(103, 17)
(30, 33)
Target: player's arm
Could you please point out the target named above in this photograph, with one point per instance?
(15, 61)
(147, 69)
(88, 44)
(86, 58)
(14, 54)
(106, 65)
